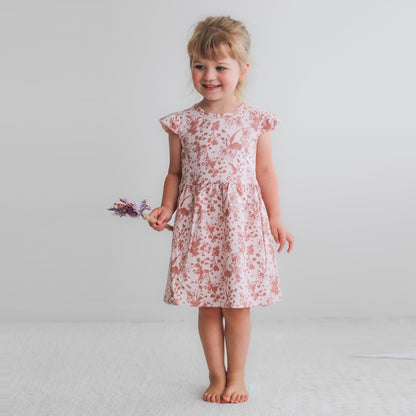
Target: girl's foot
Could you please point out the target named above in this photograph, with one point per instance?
(235, 390)
(214, 391)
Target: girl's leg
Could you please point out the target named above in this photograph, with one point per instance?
(211, 331)
(237, 337)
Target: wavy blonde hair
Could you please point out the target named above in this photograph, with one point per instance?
(215, 36)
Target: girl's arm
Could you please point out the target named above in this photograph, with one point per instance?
(171, 187)
(266, 175)
(173, 178)
(267, 179)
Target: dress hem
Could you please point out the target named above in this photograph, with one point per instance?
(221, 306)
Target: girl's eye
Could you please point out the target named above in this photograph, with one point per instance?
(220, 68)
(199, 67)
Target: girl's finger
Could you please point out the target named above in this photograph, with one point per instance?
(282, 243)
(274, 233)
(291, 241)
(276, 236)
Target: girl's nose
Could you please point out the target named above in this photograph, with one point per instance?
(209, 75)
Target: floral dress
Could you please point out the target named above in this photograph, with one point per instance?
(223, 252)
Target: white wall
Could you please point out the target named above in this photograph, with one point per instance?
(83, 84)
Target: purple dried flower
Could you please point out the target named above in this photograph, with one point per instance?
(133, 209)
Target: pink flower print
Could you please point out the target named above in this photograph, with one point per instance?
(182, 211)
(174, 126)
(234, 169)
(197, 148)
(255, 124)
(193, 127)
(215, 126)
(212, 164)
(267, 124)
(194, 247)
(233, 144)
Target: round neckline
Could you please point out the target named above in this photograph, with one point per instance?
(216, 115)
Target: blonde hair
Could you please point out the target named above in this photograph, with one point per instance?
(216, 35)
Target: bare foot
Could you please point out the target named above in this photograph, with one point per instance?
(235, 390)
(215, 389)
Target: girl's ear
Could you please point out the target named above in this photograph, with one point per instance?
(244, 72)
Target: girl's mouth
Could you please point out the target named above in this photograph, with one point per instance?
(210, 87)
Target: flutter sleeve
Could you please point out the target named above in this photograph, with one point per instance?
(269, 121)
(172, 122)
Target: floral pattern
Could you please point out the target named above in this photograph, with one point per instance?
(223, 251)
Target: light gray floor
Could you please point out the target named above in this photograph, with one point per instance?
(295, 368)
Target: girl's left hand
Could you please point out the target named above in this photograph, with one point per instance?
(281, 234)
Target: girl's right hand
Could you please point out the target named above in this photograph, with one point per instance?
(163, 215)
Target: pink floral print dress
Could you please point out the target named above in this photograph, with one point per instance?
(223, 252)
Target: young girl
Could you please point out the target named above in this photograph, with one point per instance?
(222, 184)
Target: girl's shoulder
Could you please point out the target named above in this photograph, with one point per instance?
(181, 112)
(256, 110)
(175, 120)
(263, 119)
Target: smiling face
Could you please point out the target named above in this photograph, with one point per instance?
(216, 79)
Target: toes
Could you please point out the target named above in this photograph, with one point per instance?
(213, 398)
(226, 397)
(233, 397)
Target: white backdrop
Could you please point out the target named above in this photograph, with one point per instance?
(83, 84)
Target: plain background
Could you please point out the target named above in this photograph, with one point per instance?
(83, 84)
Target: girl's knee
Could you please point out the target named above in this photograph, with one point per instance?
(210, 312)
(236, 314)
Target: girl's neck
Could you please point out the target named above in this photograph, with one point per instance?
(220, 107)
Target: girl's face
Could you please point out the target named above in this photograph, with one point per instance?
(216, 80)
